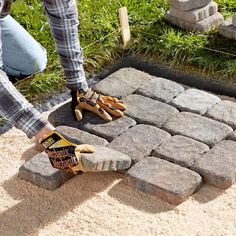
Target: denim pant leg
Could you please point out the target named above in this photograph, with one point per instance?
(15, 108)
(21, 54)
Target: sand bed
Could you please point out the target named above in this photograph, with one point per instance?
(100, 204)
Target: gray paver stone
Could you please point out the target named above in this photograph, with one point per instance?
(185, 5)
(122, 83)
(38, 170)
(181, 150)
(195, 15)
(63, 116)
(165, 180)
(105, 159)
(195, 100)
(232, 136)
(218, 165)
(139, 141)
(224, 111)
(234, 20)
(82, 136)
(148, 111)
(227, 29)
(210, 23)
(197, 127)
(109, 130)
(160, 89)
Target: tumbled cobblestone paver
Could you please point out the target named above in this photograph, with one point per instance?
(224, 111)
(227, 29)
(232, 136)
(160, 89)
(109, 130)
(109, 160)
(210, 23)
(63, 116)
(195, 100)
(165, 180)
(139, 141)
(38, 170)
(148, 111)
(218, 166)
(195, 15)
(122, 83)
(197, 127)
(82, 136)
(185, 5)
(180, 150)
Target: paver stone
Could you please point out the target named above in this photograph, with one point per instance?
(218, 165)
(165, 180)
(181, 150)
(148, 111)
(160, 89)
(200, 128)
(195, 100)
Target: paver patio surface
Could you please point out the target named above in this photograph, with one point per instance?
(173, 151)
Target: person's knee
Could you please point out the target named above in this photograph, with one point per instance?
(39, 62)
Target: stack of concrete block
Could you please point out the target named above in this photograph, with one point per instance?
(196, 15)
(228, 28)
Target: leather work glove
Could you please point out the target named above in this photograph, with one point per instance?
(102, 105)
(65, 152)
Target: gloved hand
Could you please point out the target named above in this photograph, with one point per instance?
(100, 104)
(64, 152)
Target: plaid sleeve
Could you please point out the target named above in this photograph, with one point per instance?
(15, 108)
(63, 19)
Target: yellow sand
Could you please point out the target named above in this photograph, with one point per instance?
(99, 204)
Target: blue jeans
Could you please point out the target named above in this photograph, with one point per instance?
(22, 55)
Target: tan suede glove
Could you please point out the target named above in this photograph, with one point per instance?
(102, 105)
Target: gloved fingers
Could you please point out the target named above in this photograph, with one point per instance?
(78, 112)
(110, 109)
(84, 148)
(95, 108)
(114, 102)
(118, 105)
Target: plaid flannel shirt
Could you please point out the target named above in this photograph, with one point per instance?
(63, 19)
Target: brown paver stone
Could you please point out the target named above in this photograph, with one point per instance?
(165, 180)
(38, 170)
(195, 100)
(232, 136)
(197, 127)
(227, 29)
(148, 111)
(196, 14)
(218, 166)
(122, 83)
(109, 130)
(82, 136)
(139, 141)
(181, 150)
(224, 111)
(160, 89)
(185, 5)
(210, 23)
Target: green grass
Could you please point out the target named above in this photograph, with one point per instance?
(152, 37)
